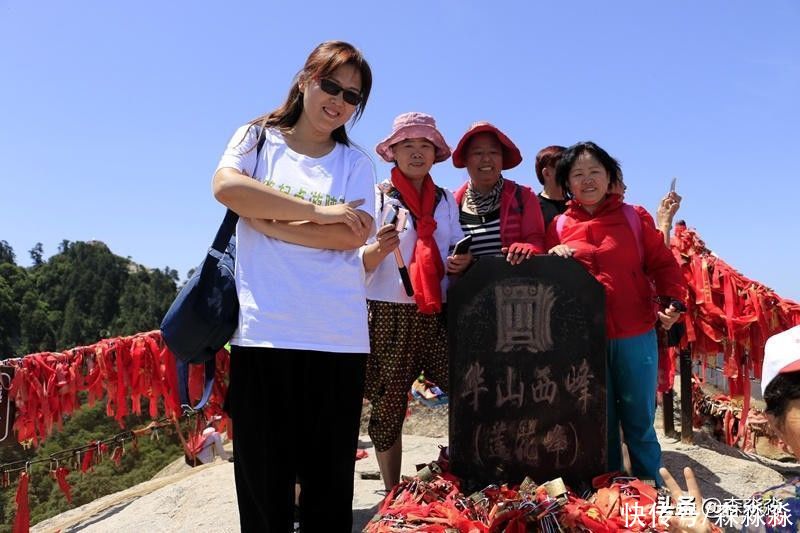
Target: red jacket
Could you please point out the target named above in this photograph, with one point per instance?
(605, 246)
(517, 223)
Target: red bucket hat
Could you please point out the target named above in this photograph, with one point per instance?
(511, 154)
(411, 126)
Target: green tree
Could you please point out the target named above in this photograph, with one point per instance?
(14, 282)
(37, 325)
(6, 253)
(145, 298)
(37, 254)
(79, 295)
(9, 319)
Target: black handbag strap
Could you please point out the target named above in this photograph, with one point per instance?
(228, 226)
(225, 231)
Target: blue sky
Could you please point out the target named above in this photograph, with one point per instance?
(114, 114)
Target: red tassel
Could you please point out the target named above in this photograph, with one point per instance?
(116, 455)
(172, 402)
(120, 354)
(88, 457)
(22, 521)
(61, 474)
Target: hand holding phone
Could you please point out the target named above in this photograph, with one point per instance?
(391, 216)
(396, 216)
(667, 208)
(463, 245)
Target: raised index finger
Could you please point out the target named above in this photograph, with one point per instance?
(674, 489)
(691, 484)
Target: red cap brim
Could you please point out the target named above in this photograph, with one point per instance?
(511, 154)
(794, 366)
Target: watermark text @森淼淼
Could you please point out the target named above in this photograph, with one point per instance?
(727, 513)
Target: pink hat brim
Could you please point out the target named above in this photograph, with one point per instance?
(418, 131)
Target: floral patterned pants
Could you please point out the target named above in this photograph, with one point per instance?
(404, 342)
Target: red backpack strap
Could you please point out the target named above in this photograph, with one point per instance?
(636, 227)
(632, 217)
(560, 220)
(518, 197)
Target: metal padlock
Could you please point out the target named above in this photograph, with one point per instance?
(556, 489)
(429, 472)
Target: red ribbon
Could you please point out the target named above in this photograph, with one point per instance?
(86, 462)
(61, 474)
(22, 520)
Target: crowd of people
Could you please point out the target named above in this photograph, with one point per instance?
(323, 307)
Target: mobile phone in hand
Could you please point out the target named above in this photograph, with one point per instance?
(397, 216)
(391, 216)
(463, 245)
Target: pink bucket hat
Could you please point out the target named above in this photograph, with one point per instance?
(781, 355)
(413, 125)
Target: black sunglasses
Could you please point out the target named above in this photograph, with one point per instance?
(332, 88)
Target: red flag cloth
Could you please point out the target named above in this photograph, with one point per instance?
(86, 463)
(61, 474)
(426, 268)
(116, 455)
(22, 520)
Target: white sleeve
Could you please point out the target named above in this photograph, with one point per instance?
(361, 184)
(378, 214)
(241, 151)
(456, 233)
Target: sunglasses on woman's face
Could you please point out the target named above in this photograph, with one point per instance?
(332, 88)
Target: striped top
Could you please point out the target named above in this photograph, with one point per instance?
(485, 231)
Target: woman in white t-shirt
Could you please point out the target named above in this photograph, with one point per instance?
(298, 356)
(407, 333)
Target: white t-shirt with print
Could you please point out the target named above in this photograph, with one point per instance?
(292, 296)
(384, 283)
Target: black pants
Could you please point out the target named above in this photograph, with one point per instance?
(295, 416)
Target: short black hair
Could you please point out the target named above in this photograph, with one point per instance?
(780, 392)
(571, 154)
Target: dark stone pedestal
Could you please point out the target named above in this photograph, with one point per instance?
(527, 373)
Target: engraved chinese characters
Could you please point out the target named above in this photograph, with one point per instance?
(523, 317)
(527, 372)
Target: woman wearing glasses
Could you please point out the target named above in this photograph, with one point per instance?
(502, 216)
(619, 245)
(305, 198)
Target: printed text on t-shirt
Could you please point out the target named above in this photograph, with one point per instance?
(316, 198)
